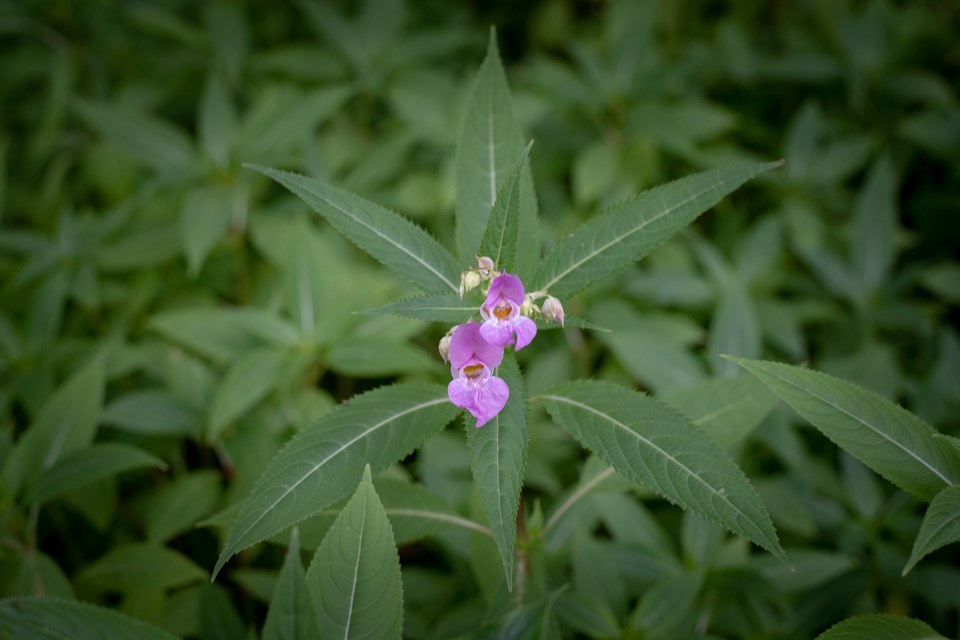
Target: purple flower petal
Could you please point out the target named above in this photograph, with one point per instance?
(490, 400)
(526, 329)
(506, 286)
(497, 333)
(467, 344)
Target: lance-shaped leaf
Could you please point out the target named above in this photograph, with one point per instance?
(86, 466)
(397, 243)
(940, 527)
(23, 617)
(657, 447)
(320, 465)
(443, 307)
(290, 616)
(355, 575)
(500, 238)
(887, 438)
(497, 456)
(875, 626)
(628, 231)
(489, 145)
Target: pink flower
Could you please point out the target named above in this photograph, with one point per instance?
(474, 387)
(502, 322)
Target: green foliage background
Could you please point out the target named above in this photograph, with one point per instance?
(169, 318)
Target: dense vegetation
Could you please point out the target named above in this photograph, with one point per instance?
(170, 318)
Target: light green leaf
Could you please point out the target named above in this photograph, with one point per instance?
(246, 382)
(653, 445)
(321, 464)
(355, 575)
(217, 121)
(397, 243)
(290, 616)
(181, 504)
(146, 245)
(498, 452)
(139, 566)
(499, 241)
(23, 617)
(204, 220)
(444, 307)
(151, 412)
(150, 141)
(734, 330)
(628, 231)
(940, 527)
(366, 357)
(878, 626)
(86, 466)
(490, 143)
(875, 225)
(887, 438)
(223, 333)
(66, 423)
(727, 409)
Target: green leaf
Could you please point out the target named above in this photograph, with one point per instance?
(490, 143)
(41, 576)
(321, 464)
(217, 121)
(219, 619)
(181, 504)
(875, 225)
(367, 357)
(397, 243)
(878, 626)
(23, 617)
(150, 141)
(444, 307)
(628, 231)
(653, 445)
(940, 527)
(355, 575)
(86, 466)
(246, 382)
(667, 604)
(498, 452)
(66, 423)
(151, 412)
(415, 511)
(140, 566)
(204, 220)
(500, 237)
(727, 409)
(887, 438)
(734, 330)
(290, 616)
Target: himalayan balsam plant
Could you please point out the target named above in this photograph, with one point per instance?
(496, 298)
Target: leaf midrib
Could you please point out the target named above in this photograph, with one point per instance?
(306, 187)
(337, 452)
(630, 431)
(356, 566)
(619, 239)
(903, 448)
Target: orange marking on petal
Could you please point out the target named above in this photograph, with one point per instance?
(473, 370)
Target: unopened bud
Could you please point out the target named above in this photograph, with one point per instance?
(553, 310)
(470, 280)
(444, 347)
(528, 309)
(485, 264)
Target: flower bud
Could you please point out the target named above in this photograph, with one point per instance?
(444, 347)
(485, 265)
(471, 280)
(528, 309)
(553, 310)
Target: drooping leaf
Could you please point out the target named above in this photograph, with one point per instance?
(321, 464)
(140, 566)
(940, 527)
(397, 243)
(887, 438)
(653, 445)
(879, 626)
(370, 357)
(727, 409)
(24, 617)
(151, 412)
(444, 307)
(204, 220)
(217, 121)
(66, 423)
(219, 619)
(290, 616)
(499, 241)
(245, 383)
(88, 465)
(628, 231)
(497, 457)
(354, 577)
(490, 143)
(875, 225)
(734, 330)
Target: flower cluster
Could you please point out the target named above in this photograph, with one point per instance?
(475, 349)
